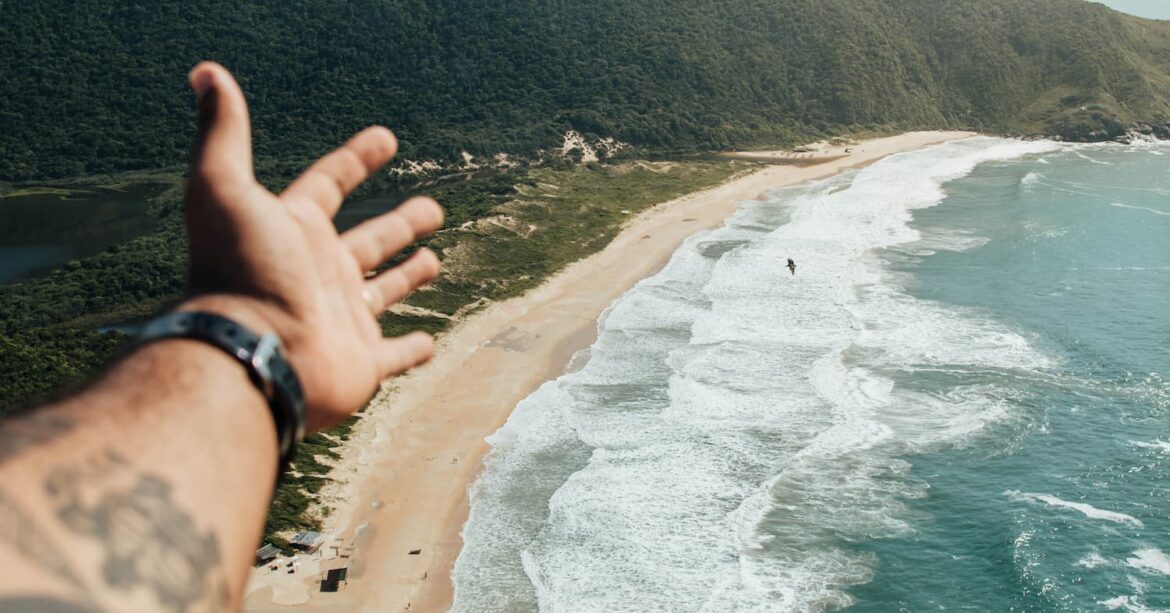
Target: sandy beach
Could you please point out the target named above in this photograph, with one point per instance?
(403, 480)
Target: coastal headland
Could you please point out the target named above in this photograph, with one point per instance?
(401, 496)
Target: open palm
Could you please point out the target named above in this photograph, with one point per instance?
(276, 263)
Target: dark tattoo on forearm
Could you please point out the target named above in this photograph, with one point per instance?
(149, 541)
(18, 529)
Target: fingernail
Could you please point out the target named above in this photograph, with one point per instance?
(201, 83)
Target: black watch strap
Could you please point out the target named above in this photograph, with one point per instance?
(261, 358)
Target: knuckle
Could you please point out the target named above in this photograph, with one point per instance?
(371, 251)
(350, 161)
(319, 185)
(395, 284)
(395, 234)
(342, 174)
(362, 249)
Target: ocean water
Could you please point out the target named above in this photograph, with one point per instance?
(958, 402)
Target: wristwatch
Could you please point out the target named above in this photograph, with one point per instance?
(261, 358)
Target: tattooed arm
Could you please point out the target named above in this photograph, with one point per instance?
(147, 491)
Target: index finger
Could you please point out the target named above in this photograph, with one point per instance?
(330, 179)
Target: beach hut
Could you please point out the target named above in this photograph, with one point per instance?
(308, 542)
(266, 553)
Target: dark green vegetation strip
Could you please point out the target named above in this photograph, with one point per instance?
(297, 489)
(96, 86)
(506, 232)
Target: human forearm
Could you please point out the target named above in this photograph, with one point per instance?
(152, 484)
(147, 490)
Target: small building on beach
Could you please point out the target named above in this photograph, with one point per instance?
(334, 579)
(308, 542)
(266, 553)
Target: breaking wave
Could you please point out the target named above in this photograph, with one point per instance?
(737, 426)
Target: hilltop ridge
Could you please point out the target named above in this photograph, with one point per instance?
(514, 76)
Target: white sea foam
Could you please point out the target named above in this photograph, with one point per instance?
(1031, 179)
(1140, 208)
(1039, 232)
(1150, 559)
(1128, 603)
(735, 423)
(1092, 560)
(944, 240)
(1091, 160)
(1087, 510)
(1098, 187)
(1163, 446)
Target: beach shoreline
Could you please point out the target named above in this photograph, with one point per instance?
(404, 476)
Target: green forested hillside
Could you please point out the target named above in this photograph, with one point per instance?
(95, 86)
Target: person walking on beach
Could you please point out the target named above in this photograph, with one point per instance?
(792, 265)
(147, 489)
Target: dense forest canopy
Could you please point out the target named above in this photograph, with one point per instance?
(96, 86)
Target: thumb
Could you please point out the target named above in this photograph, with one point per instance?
(222, 160)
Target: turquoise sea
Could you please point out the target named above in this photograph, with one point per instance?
(958, 402)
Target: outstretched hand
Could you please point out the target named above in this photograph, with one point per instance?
(276, 264)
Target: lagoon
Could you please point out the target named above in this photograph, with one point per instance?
(42, 230)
